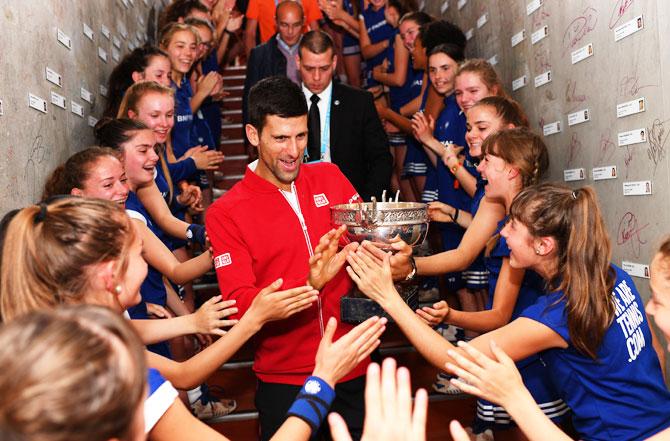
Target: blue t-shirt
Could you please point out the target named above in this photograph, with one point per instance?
(160, 397)
(378, 30)
(401, 95)
(621, 395)
(348, 40)
(183, 118)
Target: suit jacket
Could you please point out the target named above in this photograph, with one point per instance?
(358, 143)
(265, 60)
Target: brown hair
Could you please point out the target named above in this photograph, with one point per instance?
(75, 171)
(131, 101)
(508, 110)
(49, 248)
(522, 149)
(486, 73)
(584, 251)
(73, 374)
(663, 254)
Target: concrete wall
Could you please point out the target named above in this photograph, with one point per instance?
(33, 142)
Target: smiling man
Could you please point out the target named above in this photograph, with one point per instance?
(271, 225)
(344, 127)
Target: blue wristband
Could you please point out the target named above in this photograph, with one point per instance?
(195, 233)
(312, 403)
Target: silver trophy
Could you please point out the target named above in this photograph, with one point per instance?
(379, 222)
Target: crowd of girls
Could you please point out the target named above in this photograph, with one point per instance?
(557, 332)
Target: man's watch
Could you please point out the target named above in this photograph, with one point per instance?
(412, 273)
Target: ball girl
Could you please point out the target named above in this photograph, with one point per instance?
(589, 328)
(373, 37)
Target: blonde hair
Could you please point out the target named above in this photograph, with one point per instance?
(486, 73)
(131, 100)
(72, 374)
(172, 28)
(584, 251)
(49, 248)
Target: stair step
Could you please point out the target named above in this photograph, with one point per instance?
(229, 88)
(241, 416)
(232, 112)
(236, 158)
(232, 99)
(231, 126)
(235, 68)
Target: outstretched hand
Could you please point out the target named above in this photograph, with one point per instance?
(334, 360)
(209, 318)
(327, 261)
(372, 277)
(270, 304)
(423, 127)
(388, 407)
(400, 265)
(494, 379)
(435, 315)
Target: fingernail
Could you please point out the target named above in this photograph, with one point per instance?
(451, 352)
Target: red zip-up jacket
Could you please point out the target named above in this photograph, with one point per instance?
(257, 238)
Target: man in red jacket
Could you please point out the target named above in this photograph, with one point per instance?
(273, 224)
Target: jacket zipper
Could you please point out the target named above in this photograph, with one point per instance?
(298, 212)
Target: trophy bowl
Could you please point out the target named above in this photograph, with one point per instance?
(379, 222)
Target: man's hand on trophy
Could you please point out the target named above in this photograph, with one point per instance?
(372, 277)
(326, 261)
(400, 260)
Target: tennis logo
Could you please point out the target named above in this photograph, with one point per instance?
(222, 260)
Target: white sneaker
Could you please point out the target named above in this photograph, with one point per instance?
(442, 385)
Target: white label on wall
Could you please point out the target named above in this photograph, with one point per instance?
(116, 55)
(635, 269)
(121, 28)
(37, 103)
(146, 2)
(64, 39)
(631, 107)
(444, 7)
(628, 28)
(461, 3)
(635, 136)
(86, 95)
(54, 77)
(125, 3)
(422, 5)
(579, 117)
(88, 32)
(116, 42)
(606, 172)
(482, 20)
(551, 128)
(533, 6)
(539, 34)
(103, 91)
(92, 121)
(140, 36)
(140, 19)
(574, 174)
(105, 31)
(469, 34)
(493, 60)
(2, 110)
(518, 37)
(102, 54)
(76, 108)
(131, 46)
(582, 53)
(543, 79)
(58, 100)
(519, 83)
(637, 188)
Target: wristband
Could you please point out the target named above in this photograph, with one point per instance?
(312, 403)
(454, 217)
(195, 233)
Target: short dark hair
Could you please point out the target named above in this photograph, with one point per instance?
(317, 42)
(275, 96)
(439, 32)
(453, 51)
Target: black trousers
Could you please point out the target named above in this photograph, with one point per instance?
(273, 401)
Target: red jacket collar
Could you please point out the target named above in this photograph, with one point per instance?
(257, 184)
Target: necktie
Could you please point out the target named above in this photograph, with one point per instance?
(314, 134)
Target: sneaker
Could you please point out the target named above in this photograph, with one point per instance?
(207, 408)
(443, 386)
(450, 333)
(486, 435)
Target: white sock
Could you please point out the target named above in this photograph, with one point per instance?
(194, 394)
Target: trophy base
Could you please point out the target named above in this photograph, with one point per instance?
(356, 308)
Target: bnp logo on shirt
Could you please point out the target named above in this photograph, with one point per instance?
(320, 200)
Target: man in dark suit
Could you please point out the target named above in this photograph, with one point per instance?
(344, 127)
(277, 56)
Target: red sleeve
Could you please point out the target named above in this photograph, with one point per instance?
(252, 9)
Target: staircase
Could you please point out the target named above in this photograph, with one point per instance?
(236, 376)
